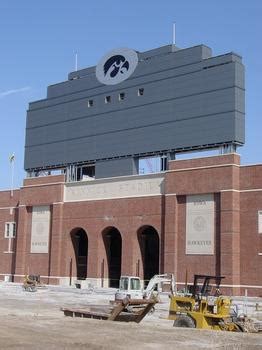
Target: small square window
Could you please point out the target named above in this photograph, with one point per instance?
(121, 96)
(140, 92)
(90, 103)
(107, 99)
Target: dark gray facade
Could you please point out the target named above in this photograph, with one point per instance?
(116, 167)
(190, 100)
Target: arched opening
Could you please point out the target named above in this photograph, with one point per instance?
(113, 245)
(149, 245)
(80, 244)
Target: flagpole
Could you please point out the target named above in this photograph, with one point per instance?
(12, 179)
(12, 164)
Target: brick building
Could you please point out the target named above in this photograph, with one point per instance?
(139, 225)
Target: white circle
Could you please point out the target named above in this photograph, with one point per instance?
(116, 66)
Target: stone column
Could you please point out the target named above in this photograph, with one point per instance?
(230, 239)
(170, 250)
(22, 237)
(56, 238)
(129, 254)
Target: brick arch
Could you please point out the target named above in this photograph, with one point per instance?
(149, 244)
(79, 240)
(112, 240)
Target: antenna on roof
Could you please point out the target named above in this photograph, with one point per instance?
(75, 61)
(174, 38)
(174, 34)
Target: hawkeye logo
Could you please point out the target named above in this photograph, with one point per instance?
(116, 66)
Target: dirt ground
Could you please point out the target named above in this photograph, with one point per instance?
(34, 321)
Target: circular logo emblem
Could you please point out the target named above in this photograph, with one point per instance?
(199, 223)
(116, 66)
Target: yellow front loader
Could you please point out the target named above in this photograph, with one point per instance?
(203, 306)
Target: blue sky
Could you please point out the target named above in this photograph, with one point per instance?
(38, 41)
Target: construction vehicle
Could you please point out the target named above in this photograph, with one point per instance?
(202, 306)
(32, 283)
(131, 286)
(131, 303)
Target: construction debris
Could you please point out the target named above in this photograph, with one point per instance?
(128, 310)
(35, 318)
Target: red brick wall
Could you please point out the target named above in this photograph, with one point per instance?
(251, 177)
(226, 159)
(39, 191)
(8, 213)
(238, 197)
(251, 240)
(127, 215)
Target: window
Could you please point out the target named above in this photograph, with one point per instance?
(140, 92)
(135, 284)
(90, 103)
(121, 96)
(123, 283)
(10, 229)
(107, 99)
(260, 221)
(85, 172)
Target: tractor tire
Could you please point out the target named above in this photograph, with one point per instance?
(184, 321)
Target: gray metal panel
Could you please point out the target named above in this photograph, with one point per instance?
(116, 167)
(201, 51)
(188, 101)
(184, 133)
(198, 106)
(88, 86)
(165, 86)
(151, 65)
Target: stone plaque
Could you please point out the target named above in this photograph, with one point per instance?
(40, 229)
(200, 224)
(116, 188)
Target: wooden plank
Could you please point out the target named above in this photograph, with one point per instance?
(141, 308)
(84, 313)
(144, 312)
(141, 301)
(116, 311)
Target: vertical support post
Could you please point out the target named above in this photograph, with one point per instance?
(163, 163)
(138, 267)
(230, 239)
(102, 272)
(70, 271)
(171, 234)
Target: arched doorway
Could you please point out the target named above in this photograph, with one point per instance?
(113, 245)
(80, 244)
(149, 245)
